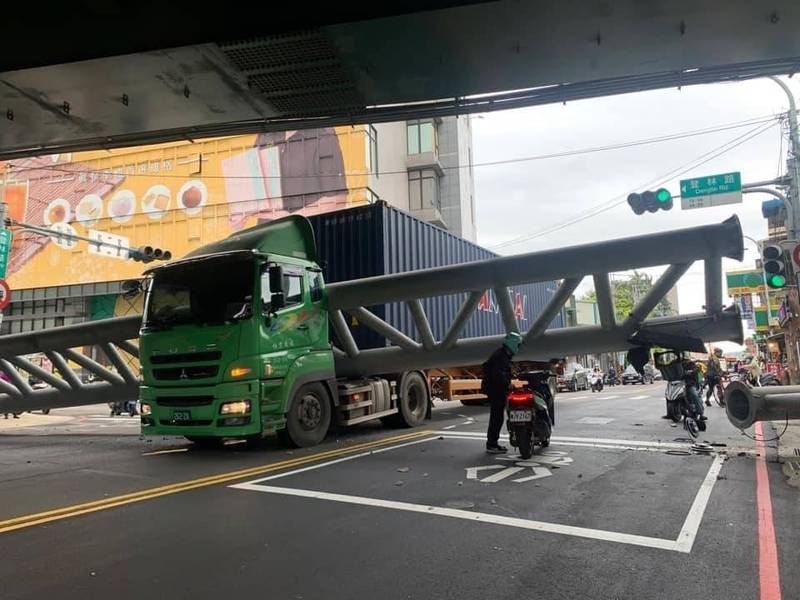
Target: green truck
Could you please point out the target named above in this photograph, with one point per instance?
(234, 343)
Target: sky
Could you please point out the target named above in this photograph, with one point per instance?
(528, 197)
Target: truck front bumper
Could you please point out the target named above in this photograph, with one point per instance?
(196, 411)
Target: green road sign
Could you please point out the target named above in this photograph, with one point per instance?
(5, 250)
(711, 190)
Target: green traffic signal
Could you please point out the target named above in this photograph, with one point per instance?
(776, 281)
(663, 195)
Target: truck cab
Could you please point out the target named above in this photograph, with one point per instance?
(235, 336)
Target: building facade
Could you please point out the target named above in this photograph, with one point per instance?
(179, 196)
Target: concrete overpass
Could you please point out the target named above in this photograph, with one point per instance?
(91, 75)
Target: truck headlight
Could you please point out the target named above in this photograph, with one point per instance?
(239, 407)
(146, 409)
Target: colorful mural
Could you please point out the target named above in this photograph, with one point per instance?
(174, 196)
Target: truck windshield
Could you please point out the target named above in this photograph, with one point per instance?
(206, 292)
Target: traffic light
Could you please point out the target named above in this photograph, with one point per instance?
(775, 272)
(650, 201)
(148, 254)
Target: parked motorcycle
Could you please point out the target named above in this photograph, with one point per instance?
(596, 380)
(128, 406)
(530, 413)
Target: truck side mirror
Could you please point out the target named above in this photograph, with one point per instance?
(277, 301)
(275, 273)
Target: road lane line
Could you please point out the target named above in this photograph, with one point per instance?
(75, 510)
(769, 577)
(449, 427)
(336, 461)
(173, 451)
(691, 525)
(583, 532)
(601, 442)
(638, 397)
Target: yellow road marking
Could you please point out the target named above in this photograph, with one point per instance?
(75, 510)
(156, 452)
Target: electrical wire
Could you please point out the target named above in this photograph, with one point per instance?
(494, 163)
(662, 179)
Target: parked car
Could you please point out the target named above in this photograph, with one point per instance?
(574, 378)
(632, 376)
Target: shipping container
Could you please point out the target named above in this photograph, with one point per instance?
(378, 239)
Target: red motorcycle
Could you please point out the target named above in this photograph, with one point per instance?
(529, 413)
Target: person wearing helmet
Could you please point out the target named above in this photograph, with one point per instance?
(713, 373)
(496, 385)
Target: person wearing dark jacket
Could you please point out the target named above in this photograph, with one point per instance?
(496, 385)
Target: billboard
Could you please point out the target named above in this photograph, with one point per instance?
(175, 196)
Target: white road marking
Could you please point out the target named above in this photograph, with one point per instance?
(580, 397)
(683, 544)
(449, 427)
(638, 397)
(507, 472)
(595, 420)
(472, 472)
(594, 534)
(690, 527)
(340, 460)
(538, 473)
(609, 397)
(579, 441)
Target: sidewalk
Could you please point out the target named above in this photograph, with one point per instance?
(31, 420)
(789, 450)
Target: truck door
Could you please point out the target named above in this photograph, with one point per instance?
(288, 329)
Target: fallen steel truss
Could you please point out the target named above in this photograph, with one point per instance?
(65, 346)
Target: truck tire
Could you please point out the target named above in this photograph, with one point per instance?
(308, 417)
(412, 400)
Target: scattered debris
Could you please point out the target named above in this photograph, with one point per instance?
(398, 483)
(424, 474)
(497, 548)
(580, 475)
(638, 424)
(678, 452)
(650, 472)
(720, 477)
(742, 454)
(403, 470)
(718, 444)
(460, 483)
(462, 504)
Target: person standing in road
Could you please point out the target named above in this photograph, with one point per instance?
(713, 373)
(4, 377)
(496, 385)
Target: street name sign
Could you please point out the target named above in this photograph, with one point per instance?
(711, 190)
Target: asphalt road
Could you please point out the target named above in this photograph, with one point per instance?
(615, 508)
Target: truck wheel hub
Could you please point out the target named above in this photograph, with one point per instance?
(310, 411)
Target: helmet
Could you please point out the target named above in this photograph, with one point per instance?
(717, 351)
(513, 341)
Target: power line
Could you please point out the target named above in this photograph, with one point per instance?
(507, 161)
(662, 179)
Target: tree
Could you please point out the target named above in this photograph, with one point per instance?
(627, 294)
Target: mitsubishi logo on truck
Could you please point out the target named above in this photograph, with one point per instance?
(183, 374)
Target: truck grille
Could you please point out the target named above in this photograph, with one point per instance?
(195, 372)
(184, 400)
(165, 359)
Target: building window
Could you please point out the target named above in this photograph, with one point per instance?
(422, 136)
(423, 189)
(372, 149)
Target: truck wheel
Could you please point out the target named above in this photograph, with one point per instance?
(413, 400)
(308, 418)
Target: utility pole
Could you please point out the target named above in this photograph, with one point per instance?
(793, 162)
(792, 329)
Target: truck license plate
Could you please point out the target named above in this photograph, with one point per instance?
(182, 415)
(520, 416)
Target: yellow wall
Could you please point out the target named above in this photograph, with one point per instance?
(239, 176)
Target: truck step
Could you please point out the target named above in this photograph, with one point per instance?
(354, 405)
(384, 413)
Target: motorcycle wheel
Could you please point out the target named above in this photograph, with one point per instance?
(674, 412)
(524, 442)
(691, 426)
